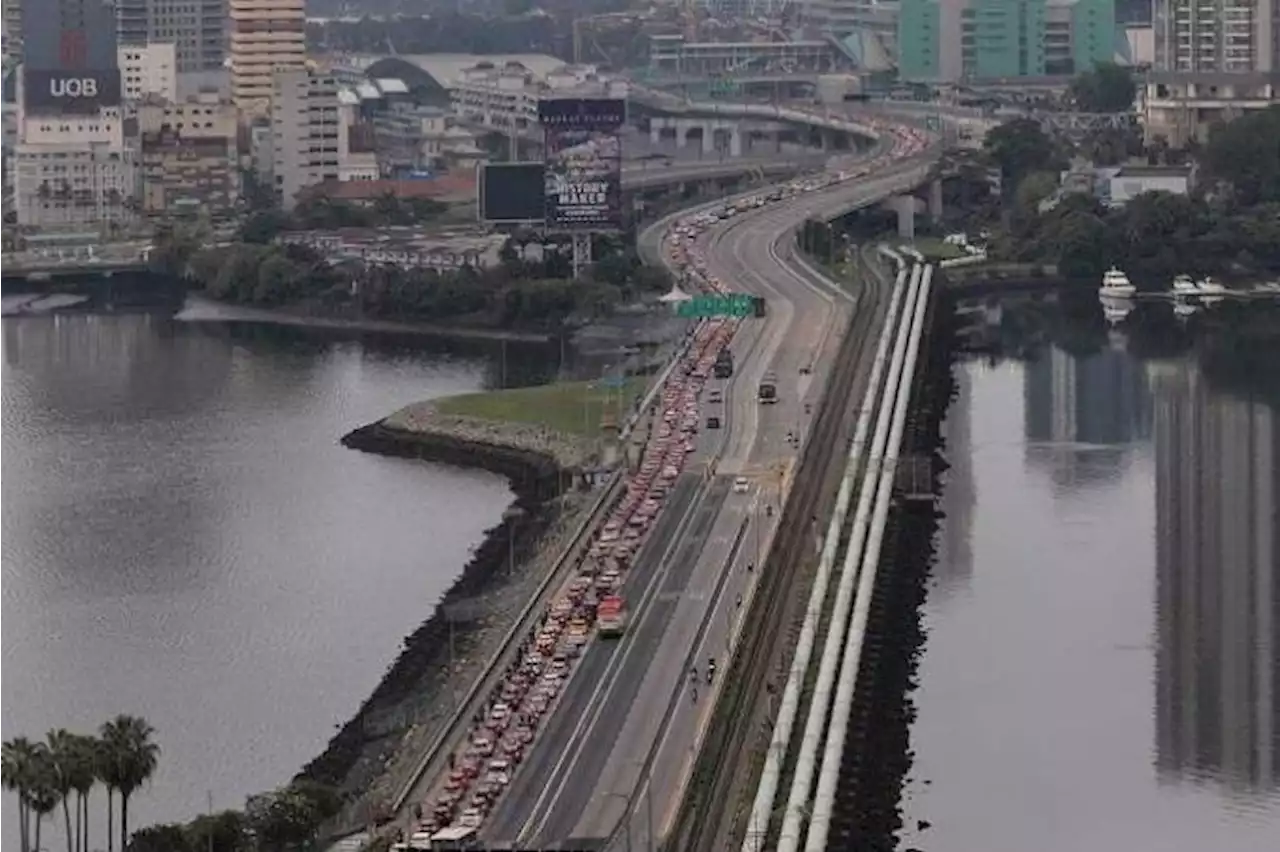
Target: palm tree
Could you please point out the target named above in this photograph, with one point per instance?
(61, 745)
(19, 757)
(83, 771)
(104, 761)
(132, 761)
(42, 795)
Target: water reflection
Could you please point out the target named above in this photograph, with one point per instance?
(1217, 590)
(1107, 679)
(1082, 413)
(954, 563)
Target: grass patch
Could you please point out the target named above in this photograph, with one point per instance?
(934, 249)
(574, 408)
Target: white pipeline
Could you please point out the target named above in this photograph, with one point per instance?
(766, 790)
(815, 729)
(824, 799)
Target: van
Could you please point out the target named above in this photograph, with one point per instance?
(713, 422)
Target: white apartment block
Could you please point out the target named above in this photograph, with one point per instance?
(149, 69)
(1213, 60)
(266, 36)
(74, 171)
(315, 137)
(506, 97)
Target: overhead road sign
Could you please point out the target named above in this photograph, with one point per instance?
(730, 305)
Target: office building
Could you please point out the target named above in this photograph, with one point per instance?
(11, 34)
(190, 160)
(266, 36)
(315, 136)
(73, 165)
(1213, 60)
(149, 69)
(957, 40)
(1217, 671)
(196, 28)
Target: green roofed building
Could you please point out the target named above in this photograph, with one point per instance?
(956, 40)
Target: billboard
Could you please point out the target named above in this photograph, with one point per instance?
(71, 92)
(511, 192)
(583, 162)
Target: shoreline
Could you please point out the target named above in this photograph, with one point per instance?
(203, 309)
(375, 751)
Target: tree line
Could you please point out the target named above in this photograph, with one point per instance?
(1230, 222)
(63, 771)
(530, 288)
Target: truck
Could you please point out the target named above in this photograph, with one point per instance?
(723, 368)
(611, 616)
(768, 394)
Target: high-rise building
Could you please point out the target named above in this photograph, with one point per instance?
(956, 40)
(316, 136)
(266, 36)
(73, 166)
(1216, 36)
(1213, 60)
(197, 29)
(1217, 461)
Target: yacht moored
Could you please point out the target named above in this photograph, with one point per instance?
(1208, 286)
(1185, 285)
(1116, 284)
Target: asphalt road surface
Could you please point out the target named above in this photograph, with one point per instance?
(621, 741)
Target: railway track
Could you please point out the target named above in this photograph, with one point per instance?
(715, 807)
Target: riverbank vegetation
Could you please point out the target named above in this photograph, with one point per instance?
(529, 289)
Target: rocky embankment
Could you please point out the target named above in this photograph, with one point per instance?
(375, 753)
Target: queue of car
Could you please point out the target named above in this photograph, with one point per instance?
(505, 727)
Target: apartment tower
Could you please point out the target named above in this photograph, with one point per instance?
(266, 36)
(1217, 36)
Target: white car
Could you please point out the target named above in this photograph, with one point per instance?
(741, 485)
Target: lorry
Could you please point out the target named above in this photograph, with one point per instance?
(723, 367)
(611, 616)
(768, 394)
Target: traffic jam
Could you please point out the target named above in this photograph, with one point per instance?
(504, 728)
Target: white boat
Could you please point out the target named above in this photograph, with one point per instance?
(1114, 310)
(1116, 284)
(1209, 287)
(1185, 285)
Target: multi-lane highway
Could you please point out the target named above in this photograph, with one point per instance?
(619, 747)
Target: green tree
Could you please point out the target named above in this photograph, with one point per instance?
(19, 767)
(1034, 188)
(62, 752)
(82, 769)
(221, 832)
(1020, 147)
(42, 795)
(161, 838)
(1105, 88)
(133, 757)
(263, 226)
(1246, 154)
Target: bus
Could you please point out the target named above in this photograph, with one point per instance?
(768, 389)
(611, 616)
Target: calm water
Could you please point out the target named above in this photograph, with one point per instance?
(1100, 670)
(183, 538)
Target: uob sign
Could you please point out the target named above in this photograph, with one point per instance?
(82, 87)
